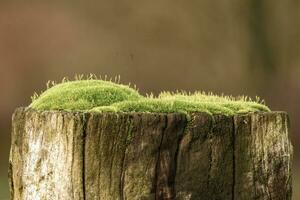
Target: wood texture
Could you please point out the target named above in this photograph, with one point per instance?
(110, 156)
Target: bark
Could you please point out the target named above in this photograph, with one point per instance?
(134, 156)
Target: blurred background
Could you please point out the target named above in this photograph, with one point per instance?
(249, 47)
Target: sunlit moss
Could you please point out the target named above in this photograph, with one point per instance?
(83, 95)
(107, 96)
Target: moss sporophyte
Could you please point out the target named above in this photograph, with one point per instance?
(96, 95)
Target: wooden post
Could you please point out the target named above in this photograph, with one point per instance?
(135, 156)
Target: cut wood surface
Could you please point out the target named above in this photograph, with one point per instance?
(140, 156)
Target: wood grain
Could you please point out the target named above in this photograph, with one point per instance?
(135, 156)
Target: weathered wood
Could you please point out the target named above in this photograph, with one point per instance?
(46, 159)
(133, 156)
(262, 157)
(205, 161)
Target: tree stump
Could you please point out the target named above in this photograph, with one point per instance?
(138, 156)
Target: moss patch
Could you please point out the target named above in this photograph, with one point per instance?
(106, 96)
(83, 95)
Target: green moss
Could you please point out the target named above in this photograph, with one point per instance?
(106, 96)
(130, 132)
(83, 95)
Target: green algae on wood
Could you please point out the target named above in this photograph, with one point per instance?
(95, 95)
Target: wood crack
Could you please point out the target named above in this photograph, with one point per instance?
(210, 154)
(157, 167)
(233, 157)
(179, 139)
(85, 120)
(113, 149)
(128, 122)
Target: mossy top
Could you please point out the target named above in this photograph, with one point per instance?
(107, 96)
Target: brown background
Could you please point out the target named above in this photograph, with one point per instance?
(234, 47)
